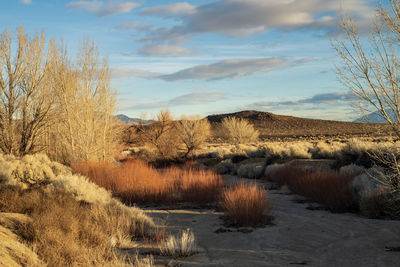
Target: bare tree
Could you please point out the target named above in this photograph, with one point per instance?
(84, 128)
(370, 67)
(25, 91)
(238, 130)
(160, 134)
(371, 70)
(193, 132)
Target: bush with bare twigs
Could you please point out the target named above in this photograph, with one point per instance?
(160, 135)
(192, 132)
(238, 131)
(245, 204)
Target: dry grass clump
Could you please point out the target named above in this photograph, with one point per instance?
(67, 232)
(245, 204)
(135, 181)
(332, 189)
(13, 251)
(181, 245)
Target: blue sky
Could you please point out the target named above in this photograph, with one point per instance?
(207, 56)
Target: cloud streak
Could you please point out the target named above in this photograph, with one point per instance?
(337, 98)
(102, 9)
(164, 50)
(26, 2)
(195, 98)
(232, 69)
(177, 9)
(225, 69)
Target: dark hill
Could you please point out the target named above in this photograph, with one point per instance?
(273, 125)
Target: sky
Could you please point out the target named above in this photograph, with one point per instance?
(208, 56)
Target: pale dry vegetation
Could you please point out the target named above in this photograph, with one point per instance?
(238, 131)
(193, 132)
(50, 103)
(72, 221)
(66, 232)
(179, 245)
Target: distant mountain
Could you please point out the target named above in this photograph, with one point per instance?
(129, 120)
(374, 117)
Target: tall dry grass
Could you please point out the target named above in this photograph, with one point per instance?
(333, 189)
(245, 204)
(137, 182)
(67, 232)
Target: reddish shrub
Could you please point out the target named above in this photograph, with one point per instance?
(332, 189)
(245, 204)
(135, 181)
(201, 186)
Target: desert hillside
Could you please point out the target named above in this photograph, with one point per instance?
(278, 126)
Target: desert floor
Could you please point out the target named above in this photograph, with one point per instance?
(299, 236)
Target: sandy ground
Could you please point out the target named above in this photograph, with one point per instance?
(299, 236)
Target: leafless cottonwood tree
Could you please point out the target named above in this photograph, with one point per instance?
(371, 70)
(193, 132)
(26, 91)
(161, 134)
(85, 128)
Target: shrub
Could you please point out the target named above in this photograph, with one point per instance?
(81, 188)
(245, 204)
(66, 232)
(193, 132)
(226, 167)
(253, 170)
(181, 245)
(137, 182)
(160, 135)
(29, 170)
(132, 181)
(201, 186)
(238, 130)
(332, 189)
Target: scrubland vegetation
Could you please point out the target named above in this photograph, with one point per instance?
(137, 182)
(76, 201)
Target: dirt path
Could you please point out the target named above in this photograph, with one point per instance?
(299, 237)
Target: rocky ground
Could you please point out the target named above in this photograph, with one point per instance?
(299, 236)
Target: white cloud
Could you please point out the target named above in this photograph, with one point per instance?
(26, 2)
(232, 69)
(134, 25)
(102, 9)
(225, 69)
(124, 73)
(245, 17)
(164, 50)
(176, 9)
